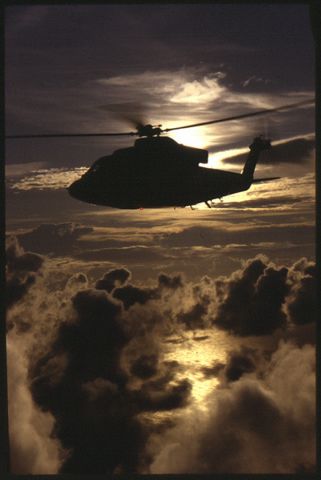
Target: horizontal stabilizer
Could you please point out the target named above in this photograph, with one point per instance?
(262, 180)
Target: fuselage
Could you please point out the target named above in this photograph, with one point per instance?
(155, 174)
(154, 189)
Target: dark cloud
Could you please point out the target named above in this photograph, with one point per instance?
(253, 302)
(145, 366)
(195, 317)
(238, 363)
(20, 261)
(167, 281)
(297, 151)
(213, 371)
(102, 350)
(175, 396)
(58, 239)
(200, 338)
(302, 305)
(113, 278)
(129, 295)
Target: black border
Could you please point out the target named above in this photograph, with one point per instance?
(315, 18)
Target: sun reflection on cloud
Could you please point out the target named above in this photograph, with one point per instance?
(53, 179)
(198, 353)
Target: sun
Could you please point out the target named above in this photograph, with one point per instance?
(192, 137)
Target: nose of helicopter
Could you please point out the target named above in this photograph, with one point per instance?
(78, 190)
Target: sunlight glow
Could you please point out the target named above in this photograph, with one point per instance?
(53, 179)
(191, 137)
(215, 159)
(197, 353)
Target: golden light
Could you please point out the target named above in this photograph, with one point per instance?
(195, 354)
(191, 137)
(215, 159)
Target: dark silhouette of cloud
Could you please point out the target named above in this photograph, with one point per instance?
(239, 362)
(129, 295)
(213, 371)
(195, 317)
(145, 366)
(152, 400)
(102, 348)
(118, 276)
(253, 303)
(53, 238)
(20, 261)
(167, 281)
(302, 306)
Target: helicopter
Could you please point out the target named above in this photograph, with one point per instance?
(158, 172)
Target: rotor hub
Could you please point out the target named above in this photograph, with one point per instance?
(149, 130)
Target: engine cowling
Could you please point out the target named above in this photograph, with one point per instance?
(194, 156)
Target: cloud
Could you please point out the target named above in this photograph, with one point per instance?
(293, 151)
(302, 303)
(166, 281)
(238, 363)
(145, 366)
(113, 278)
(53, 238)
(174, 396)
(40, 179)
(129, 295)
(33, 447)
(253, 425)
(208, 236)
(90, 364)
(104, 351)
(139, 254)
(21, 271)
(253, 302)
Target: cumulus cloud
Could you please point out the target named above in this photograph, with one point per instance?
(91, 364)
(21, 271)
(101, 348)
(302, 303)
(112, 278)
(253, 302)
(253, 424)
(33, 447)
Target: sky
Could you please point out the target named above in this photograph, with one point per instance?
(169, 340)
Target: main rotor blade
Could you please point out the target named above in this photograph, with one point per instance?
(60, 135)
(244, 115)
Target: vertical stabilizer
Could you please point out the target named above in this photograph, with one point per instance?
(258, 145)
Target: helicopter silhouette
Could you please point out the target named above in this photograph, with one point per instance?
(158, 172)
